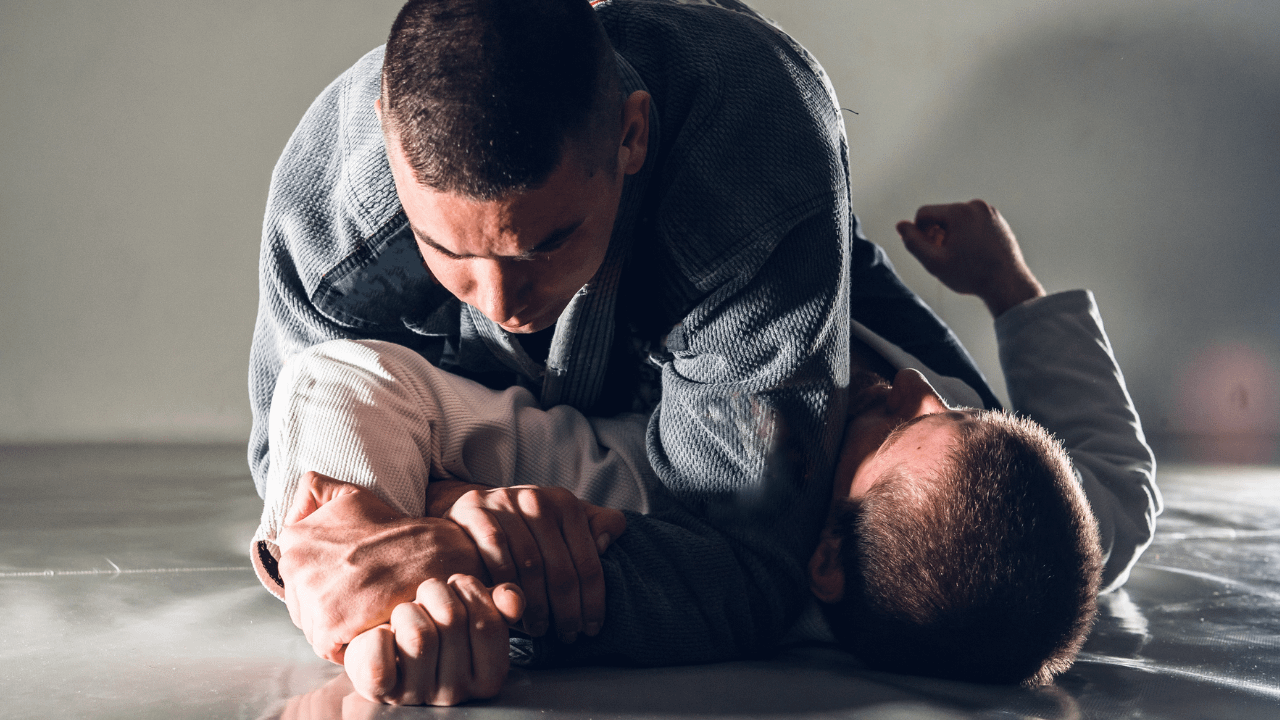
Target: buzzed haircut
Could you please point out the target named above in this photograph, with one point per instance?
(986, 572)
(485, 96)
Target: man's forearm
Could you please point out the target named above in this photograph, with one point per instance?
(347, 559)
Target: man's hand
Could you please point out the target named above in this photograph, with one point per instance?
(447, 646)
(547, 541)
(347, 559)
(970, 248)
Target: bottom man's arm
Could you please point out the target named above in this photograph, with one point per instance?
(1061, 372)
(352, 410)
(677, 589)
(1059, 368)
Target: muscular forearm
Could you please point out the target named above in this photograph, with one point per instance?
(347, 559)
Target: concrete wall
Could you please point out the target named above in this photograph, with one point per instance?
(136, 144)
(1134, 147)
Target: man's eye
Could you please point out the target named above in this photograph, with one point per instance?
(446, 253)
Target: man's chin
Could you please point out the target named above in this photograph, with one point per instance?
(528, 325)
(528, 328)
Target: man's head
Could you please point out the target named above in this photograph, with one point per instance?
(959, 543)
(509, 139)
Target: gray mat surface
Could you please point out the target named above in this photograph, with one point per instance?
(125, 592)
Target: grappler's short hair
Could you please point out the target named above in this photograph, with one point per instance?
(986, 572)
(484, 96)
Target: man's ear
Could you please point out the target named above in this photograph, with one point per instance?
(826, 571)
(635, 132)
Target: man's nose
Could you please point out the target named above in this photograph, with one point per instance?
(913, 396)
(500, 292)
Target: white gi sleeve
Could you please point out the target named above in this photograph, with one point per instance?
(378, 415)
(1061, 372)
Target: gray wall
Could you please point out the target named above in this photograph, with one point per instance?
(136, 144)
(1134, 147)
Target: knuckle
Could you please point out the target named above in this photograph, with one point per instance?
(531, 565)
(565, 500)
(533, 503)
(590, 572)
(470, 501)
(486, 532)
(563, 583)
(451, 695)
(480, 623)
(503, 573)
(502, 567)
(414, 633)
(412, 642)
(449, 614)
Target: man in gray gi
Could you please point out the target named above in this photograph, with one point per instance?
(642, 207)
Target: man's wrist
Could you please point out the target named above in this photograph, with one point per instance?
(1010, 294)
(442, 494)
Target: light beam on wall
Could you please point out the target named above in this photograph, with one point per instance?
(1229, 405)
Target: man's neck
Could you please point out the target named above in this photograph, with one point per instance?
(538, 344)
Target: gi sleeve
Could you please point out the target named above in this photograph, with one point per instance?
(1062, 373)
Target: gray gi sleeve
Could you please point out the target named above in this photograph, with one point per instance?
(332, 205)
(743, 444)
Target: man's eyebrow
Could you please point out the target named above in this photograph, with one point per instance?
(896, 434)
(425, 239)
(898, 431)
(551, 242)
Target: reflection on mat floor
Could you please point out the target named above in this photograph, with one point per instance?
(125, 591)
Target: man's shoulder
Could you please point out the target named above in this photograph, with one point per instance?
(749, 136)
(713, 12)
(707, 40)
(332, 191)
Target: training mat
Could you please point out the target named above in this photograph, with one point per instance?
(126, 592)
